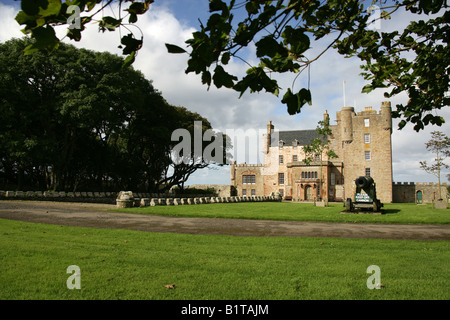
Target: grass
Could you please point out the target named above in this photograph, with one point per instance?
(406, 213)
(123, 264)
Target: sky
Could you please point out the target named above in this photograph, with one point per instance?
(174, 21)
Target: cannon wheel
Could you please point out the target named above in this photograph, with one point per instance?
(348, 204)
(376, 206)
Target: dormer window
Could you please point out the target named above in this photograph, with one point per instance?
(280, 144)
(295, 143)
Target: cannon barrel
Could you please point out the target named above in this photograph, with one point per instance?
(364, 182)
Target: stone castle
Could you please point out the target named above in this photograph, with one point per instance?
(362, 142)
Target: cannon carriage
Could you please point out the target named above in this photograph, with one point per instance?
(365, 196)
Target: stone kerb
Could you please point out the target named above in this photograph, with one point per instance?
(125, 199)
(145, 202)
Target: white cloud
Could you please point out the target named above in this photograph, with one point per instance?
(223, 108)
(10, 28)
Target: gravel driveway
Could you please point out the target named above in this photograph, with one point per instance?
(95, 215)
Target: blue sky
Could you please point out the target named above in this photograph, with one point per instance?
(174, 21)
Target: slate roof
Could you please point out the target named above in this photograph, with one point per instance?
(304, 137)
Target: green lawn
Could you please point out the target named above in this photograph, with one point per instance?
(393, 212)
(123, 264)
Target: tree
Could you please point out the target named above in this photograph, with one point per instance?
(440, 146)
(320, 147)
(414, 61)
(75, 119)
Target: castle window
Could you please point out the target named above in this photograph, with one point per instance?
(366, 122)
(294, 158)
(281, 159)
(253, 192)
(367, 172)
(317, 157)
(244, 192)
(281, 192)
(281, 178)
(248, 179)
(366, 138)
(367, 155)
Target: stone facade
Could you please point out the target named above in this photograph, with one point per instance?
(222, 190)
(245, 185)
(361, 140)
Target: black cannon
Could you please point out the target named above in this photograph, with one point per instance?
(365, 196)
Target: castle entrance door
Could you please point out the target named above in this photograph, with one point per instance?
(308, 193)
(419, 197)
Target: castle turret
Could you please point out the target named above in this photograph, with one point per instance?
(233, 173)
(386, 115)
(346, 124)
(326, 117)
(270, 128)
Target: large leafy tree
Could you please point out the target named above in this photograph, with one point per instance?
(414, 60)
(76, 119)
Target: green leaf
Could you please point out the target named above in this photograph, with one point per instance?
(45, 38)
(23, 18)
(291, 101)
(132, 18)
(137, 8)
(367, 88)
(74, 34)
(226, 57)
(252, 7)
(131, 44)
(296, 101)
(297, 39)
(304, 97)
(109, 23)
(267, 46)
(217, 5)
(129, 60)
(206, 77)
(222, 78)
(49, 7)
(30, 7)
(171, 48)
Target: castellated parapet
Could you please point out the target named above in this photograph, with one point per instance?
(418, 192)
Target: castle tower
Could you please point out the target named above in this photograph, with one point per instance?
(347, 124)
(365, 148)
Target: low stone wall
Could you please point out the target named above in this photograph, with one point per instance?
(138, 199)
(94, 197)
(146, 202)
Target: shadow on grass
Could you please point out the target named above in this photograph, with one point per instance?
(368, 211)
(390, 211)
